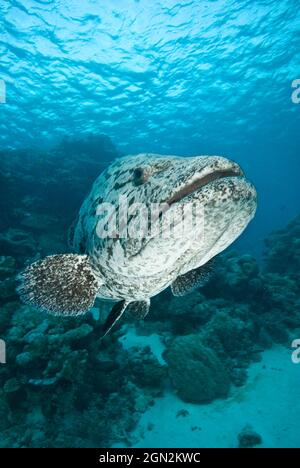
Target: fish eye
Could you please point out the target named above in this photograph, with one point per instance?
(140, 175)
(138, 172)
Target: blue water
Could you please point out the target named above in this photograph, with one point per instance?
(168, 77)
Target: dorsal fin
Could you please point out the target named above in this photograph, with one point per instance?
(193, 279)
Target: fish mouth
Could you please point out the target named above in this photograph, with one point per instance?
(200, 182)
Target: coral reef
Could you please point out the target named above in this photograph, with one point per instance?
(33, 184)
(7, 279)
(60, 377)
(231, 328)
(64, 386)
(195, 371)
(146, 369)
(244, 308)
(283, 250)
(17, 242)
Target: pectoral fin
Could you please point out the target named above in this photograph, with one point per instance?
(193, 279)
(59, 284)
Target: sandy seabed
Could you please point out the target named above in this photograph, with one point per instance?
(269, 402)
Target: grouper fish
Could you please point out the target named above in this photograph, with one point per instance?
(117, 254)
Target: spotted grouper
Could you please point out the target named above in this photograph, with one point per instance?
(135, 235)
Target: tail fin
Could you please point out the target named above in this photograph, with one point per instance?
(59, 284)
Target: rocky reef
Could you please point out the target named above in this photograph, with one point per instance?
(64, 386)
